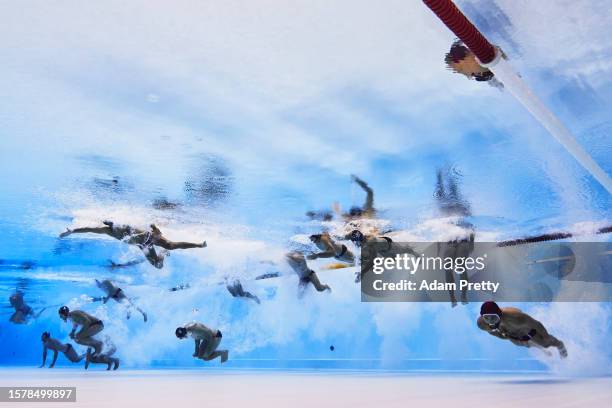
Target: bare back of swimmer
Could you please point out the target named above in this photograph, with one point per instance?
(49, 343)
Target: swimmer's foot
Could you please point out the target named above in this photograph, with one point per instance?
(87, 358)
(357, 277)
(116, 364)
(453, 303)
(65, 233)
(562, 351)
(108, 367)
(144, 316)
(224, 356)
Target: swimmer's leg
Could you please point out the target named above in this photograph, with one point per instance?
(115, 362)
(72, 355)
(85, 337)
(94, 230)
(129, 305)
(199, 347)
(171, 245)
(91, 342)
(87, 358)
(252, 296)
(221, 353)
(544, 339)
(314, 279)
(302, 287)
(18, 317)
(155, 259)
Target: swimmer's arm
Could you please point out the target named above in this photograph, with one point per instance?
(54, 358)
(44, 356)
(197, 347)
(520, 343)
(483, 326)
(325, 254)
(93, 230)
(369, 203)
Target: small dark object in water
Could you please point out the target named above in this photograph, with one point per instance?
(164, 204)
(332, 348)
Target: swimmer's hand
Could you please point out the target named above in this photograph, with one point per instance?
(65, 233)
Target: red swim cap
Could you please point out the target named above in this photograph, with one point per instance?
(490, 307)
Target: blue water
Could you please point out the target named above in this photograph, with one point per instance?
(247, 120)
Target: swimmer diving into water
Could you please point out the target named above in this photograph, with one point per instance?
(331, 249)
(512, 324)
(298, 263)
(116, 293)
(461, 60)
(373, 246)
(365, 211)
(206, 341)
(49, 343)
(236, 290)
(145, 240)
(90, 326)
(23, 312)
